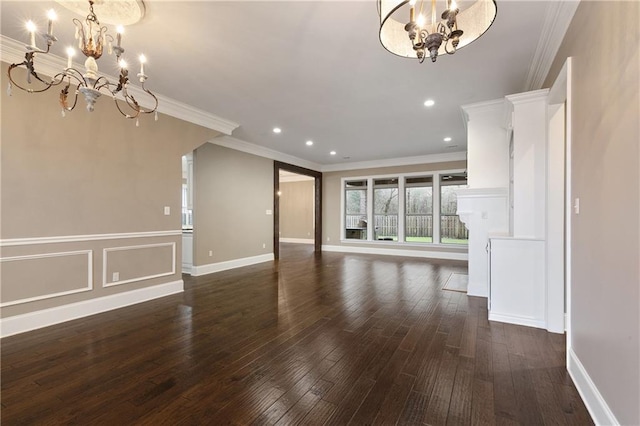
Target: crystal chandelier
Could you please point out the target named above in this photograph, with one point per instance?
(93, 40)
(458, 25)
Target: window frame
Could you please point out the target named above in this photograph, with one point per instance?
(434, 174)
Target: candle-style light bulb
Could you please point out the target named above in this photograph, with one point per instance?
(420, 20)
(31, 27)
(412, 3)
(143, 60)
(119, 32)
(122, 64)
(70, 53)
(51, 14)
(453, 5)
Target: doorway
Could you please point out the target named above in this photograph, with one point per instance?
(279, 184)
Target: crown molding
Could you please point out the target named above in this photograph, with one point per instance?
(261, 151)
(480, 107)
(12, 51)
(392, 162)
(526, 97)
(557, 19)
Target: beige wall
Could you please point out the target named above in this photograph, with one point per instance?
(86, 174)
(332, 192)
(232, 192)
(296, 209)
(603, 40)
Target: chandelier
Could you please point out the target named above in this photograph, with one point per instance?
(411, 28)
(93, 40)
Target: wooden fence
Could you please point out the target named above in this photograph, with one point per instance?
(415, 226)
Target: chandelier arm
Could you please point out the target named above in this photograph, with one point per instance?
(155, 107)
(122, 112)
(33, 73)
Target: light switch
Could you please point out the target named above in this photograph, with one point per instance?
(576, 206)
(167, 210)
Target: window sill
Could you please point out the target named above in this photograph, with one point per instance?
(404, 244)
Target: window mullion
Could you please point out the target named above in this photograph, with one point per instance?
(401, 208)
(436, 208)
(370, 218)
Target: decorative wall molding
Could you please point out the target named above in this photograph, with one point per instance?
(261, 151)
(469, 110)
(297, 240)
(428, 254)
(12, 51)
(533, 96)
(88, 287)
(393, 162)
(593, 400)
(92, 237)
(105, 257)
(556, 23)
(198, 270)
(33, 320)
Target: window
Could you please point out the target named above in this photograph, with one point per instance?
(356, 210)
(418, 209)
(452, 230)
(412, 208)
(385, 209)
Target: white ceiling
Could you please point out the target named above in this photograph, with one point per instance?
(316, 69)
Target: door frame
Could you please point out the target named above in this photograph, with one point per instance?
(317, 214)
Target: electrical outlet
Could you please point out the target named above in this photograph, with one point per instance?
(264, 245)
(328, 239)
(116, 277)
(269, 212)
(167, 210)
(576, 206)
(210, 253)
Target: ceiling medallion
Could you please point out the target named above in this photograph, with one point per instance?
(456, 26)
(93, 39)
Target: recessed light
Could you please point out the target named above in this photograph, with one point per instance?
(332, 153)
(309, 143)
(429, 103)
(447, 139)
(277, 130)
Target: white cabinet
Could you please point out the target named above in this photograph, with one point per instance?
(517, 292)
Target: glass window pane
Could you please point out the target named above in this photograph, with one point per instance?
(419, 210)
(452, 230)
(385, 209)
(356, 210)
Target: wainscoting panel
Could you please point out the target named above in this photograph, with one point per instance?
(34, 277)
(122, 265)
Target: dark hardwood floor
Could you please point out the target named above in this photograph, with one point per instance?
(312, 339)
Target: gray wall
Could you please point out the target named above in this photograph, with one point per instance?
(86, 174)
(296, 209)
(232, 192)
(603, 40)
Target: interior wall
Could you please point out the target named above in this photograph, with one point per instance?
(233, 191)
(86, 175)
(296, 209)
(605, 243)
(332, 191)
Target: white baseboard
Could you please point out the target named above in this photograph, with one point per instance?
(514, 319)
(187, 268)
(396, 252)
(33, 320)
(297, 240)
(593, 400)
(477, 288)
(196, 271)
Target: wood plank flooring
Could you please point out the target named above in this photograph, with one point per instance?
(329, 339)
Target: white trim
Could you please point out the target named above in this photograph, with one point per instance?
(396, 252)
(392, 162)
(89, 286)
(593, 400)
(533, 96)
(483, 192)
(196, 271)
(261, 151)
(105, 282)
(92, 237)
(13, 51)
(33, 320)
(297, 240)
(469, 109)
(556, 22)
(515, 319)
(186, 268)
